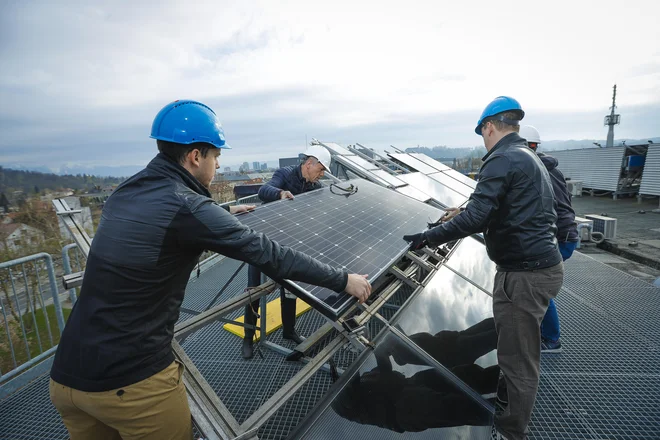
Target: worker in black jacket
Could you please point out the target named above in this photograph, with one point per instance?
(114, 374)
(513, 206)
(286, 183)
(567, 235)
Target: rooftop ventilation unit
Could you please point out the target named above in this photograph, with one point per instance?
(574, 187)
(605, 225)
(584, 232)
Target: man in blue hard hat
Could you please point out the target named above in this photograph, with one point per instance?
(286, 183)
(513, 206)
(114, 375)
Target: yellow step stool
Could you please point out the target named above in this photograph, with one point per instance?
(273, 318)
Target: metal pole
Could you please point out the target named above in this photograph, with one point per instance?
(367, 158)
(388, 160)
(66, 262)
(11, 344)
(29, 364)
(20, 315)
(31, 307)
(184, 328)
(333, 178)
(406, 169)
(43, 308)
(262, 320)
(53, 290)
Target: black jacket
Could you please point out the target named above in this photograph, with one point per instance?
(153, 229)
(566, 225)
(286, 179)
(513, 205)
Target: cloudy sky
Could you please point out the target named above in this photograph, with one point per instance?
(80, 81)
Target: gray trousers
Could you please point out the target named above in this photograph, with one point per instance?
(520, 300)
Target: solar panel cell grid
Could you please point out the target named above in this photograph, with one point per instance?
(362, 232)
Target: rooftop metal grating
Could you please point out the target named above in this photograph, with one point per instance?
(605, 384)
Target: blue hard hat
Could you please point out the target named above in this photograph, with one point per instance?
(186, 122)
(499, 105)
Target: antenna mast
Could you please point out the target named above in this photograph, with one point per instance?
(611, 120)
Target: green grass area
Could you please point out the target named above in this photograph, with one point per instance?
(41, 329)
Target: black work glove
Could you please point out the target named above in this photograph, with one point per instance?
(417, 241)
(434, 224)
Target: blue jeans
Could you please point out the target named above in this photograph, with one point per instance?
(550, 324)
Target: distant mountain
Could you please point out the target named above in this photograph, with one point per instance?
(444, 152)
(36, 182)
(100, 171)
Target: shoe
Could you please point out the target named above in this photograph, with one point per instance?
(547, 346)
(289, 319)
(247, 350)
(293, 336)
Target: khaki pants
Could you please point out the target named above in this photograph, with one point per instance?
(520, 300)
(154, 408)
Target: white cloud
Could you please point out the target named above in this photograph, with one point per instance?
(343, 64)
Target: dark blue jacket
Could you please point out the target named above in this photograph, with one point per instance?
(153, 229)
(566, 225)
(513, 205)
(286, 179)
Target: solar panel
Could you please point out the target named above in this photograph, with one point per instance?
(435, 189)
(359, 170)
(337, 149)
(452, 183)
(449, 303)
(362, 163)
(389, 178)
(461, 178)
(470, 259)
(430, 161)
(413, 192)
(415, 164)
(397, 394)
(361, 232)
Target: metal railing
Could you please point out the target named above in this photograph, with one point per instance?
(69, 268)
(26, 336)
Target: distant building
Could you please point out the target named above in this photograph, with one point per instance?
(256, 166)
(288, 161)
(14, 236)
(246, 167)
(264, 166)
